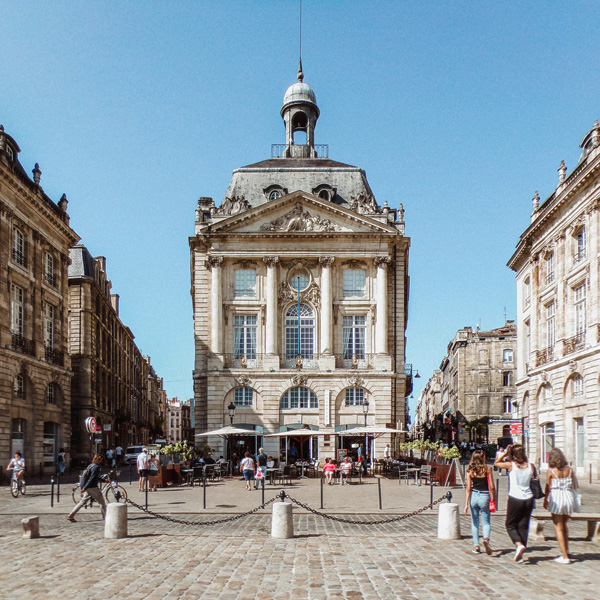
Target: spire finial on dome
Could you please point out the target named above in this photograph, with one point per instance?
(300, 73)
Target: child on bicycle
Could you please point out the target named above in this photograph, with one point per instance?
(18, 466)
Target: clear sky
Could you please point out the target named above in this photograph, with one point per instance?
(460, 110)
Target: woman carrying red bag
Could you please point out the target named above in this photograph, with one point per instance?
(481, 498)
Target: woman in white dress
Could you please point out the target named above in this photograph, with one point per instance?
(560, 499)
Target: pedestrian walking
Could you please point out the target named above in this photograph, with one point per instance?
(119, 454)
(520, 497)
(153, 472)
(247, 468)
(142, 468)
(480, 492)
(261, 465)
(61, 461)
(89, 488)
(561, 499)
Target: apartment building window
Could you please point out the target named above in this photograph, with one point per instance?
(49, 312)
(51, 393)
(507, 356)
(244, 336)
(299, 323)
(548, 440)
(577, 386)
(244, 283)
(579, 296)
(49, 442)
(244, 396)
(579, 246)
(527, 292)
(507, 404)
(49, 275)
(299, 397)
(506, 378)
(355, 396)
(550, 324)
(354, 283)
(19, 386)
(550, 268)
(17, 310)
(18, 249)
(353, 333)
(547, 394)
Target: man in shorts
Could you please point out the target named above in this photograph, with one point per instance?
(142, 467)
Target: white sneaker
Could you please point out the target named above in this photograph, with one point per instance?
(562, 560)
(519, 553)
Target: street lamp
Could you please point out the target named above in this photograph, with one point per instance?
(231, 409)
(365, 407)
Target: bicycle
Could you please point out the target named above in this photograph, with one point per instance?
(17, 485)
(112, 491)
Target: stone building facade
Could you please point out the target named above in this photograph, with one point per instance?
(179, 421)
(35, 376)
(476, 381)
(112, 381)
(300, 295)
(558, 307)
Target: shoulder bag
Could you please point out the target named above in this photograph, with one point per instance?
(535, 486)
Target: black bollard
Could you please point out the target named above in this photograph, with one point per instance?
(58, 487)
(146, 490)
(130, 474)
(263, 491)
(204, 490)
(51, 492)
(379, 490)
(322, 492)
(431, 492)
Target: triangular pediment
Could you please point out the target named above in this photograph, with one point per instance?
(300, 212)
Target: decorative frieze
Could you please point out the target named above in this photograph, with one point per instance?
(300, 220)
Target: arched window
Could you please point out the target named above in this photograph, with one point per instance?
(577, 383)
(19, 386)
(244, 396)
(52, 393)
(355, 396)
(299, 397)
(299, 331)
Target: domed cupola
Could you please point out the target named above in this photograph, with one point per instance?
(300, 113)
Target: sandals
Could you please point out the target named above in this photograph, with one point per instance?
(486, 545)
(71, 518)
(476, 550)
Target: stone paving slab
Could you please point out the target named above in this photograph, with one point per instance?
(238, 560)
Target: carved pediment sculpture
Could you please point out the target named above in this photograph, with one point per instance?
(299, 380)
(311, 294)
(364, 205)
(300, 220)
(244, 380)
(232, 206)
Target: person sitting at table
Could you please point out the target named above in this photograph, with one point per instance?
(221, 460)
(346, 469)
(329, 470)
(209, 460)
(270, 462)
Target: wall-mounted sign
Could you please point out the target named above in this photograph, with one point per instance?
(90, 424)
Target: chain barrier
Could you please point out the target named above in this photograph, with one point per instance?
(282, 496)
(200, 523)
(447, 496)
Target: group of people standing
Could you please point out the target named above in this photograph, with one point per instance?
(560, 498)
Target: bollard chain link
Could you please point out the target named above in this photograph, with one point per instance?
(200, 523)
(381, 522)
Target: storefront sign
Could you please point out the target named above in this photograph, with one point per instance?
(90, 424)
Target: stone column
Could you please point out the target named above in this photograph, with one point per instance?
(381, 322)
(326, 304)
(216, 316)
(271, 324)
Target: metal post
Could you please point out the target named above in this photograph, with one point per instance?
(58, 487)
(146, 492)
(263, 490)
(379, 490)
(51, 492)
(204, 490)
(431, 492)
(130, 474)
(322, 492)
(590, 472)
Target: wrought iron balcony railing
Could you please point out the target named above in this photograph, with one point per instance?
(243, 361)
(23, 344)
(543, 356)
(55, 356)
(574, 343)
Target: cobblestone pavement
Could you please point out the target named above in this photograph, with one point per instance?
(240, 560)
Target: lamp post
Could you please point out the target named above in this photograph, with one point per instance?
(365, 407)
(231, 410)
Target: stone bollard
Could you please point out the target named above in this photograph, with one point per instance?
(115, 525)
(282, 521)
(448, 522)
(31, 527)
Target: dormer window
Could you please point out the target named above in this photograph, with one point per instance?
(325, 192)
(10, 152)
(274, 191)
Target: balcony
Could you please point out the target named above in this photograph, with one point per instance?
(575, 343)
(55, 357)
(297, 361)
(22, 344)
(550, 277)
(579, 256)
(543, 356)
(50, 279)
(278, 150)
(243, 361)
(363, 361)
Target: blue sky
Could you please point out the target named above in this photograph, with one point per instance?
(459, 110)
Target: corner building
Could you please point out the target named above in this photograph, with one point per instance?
(558, 307)
(300, 295)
